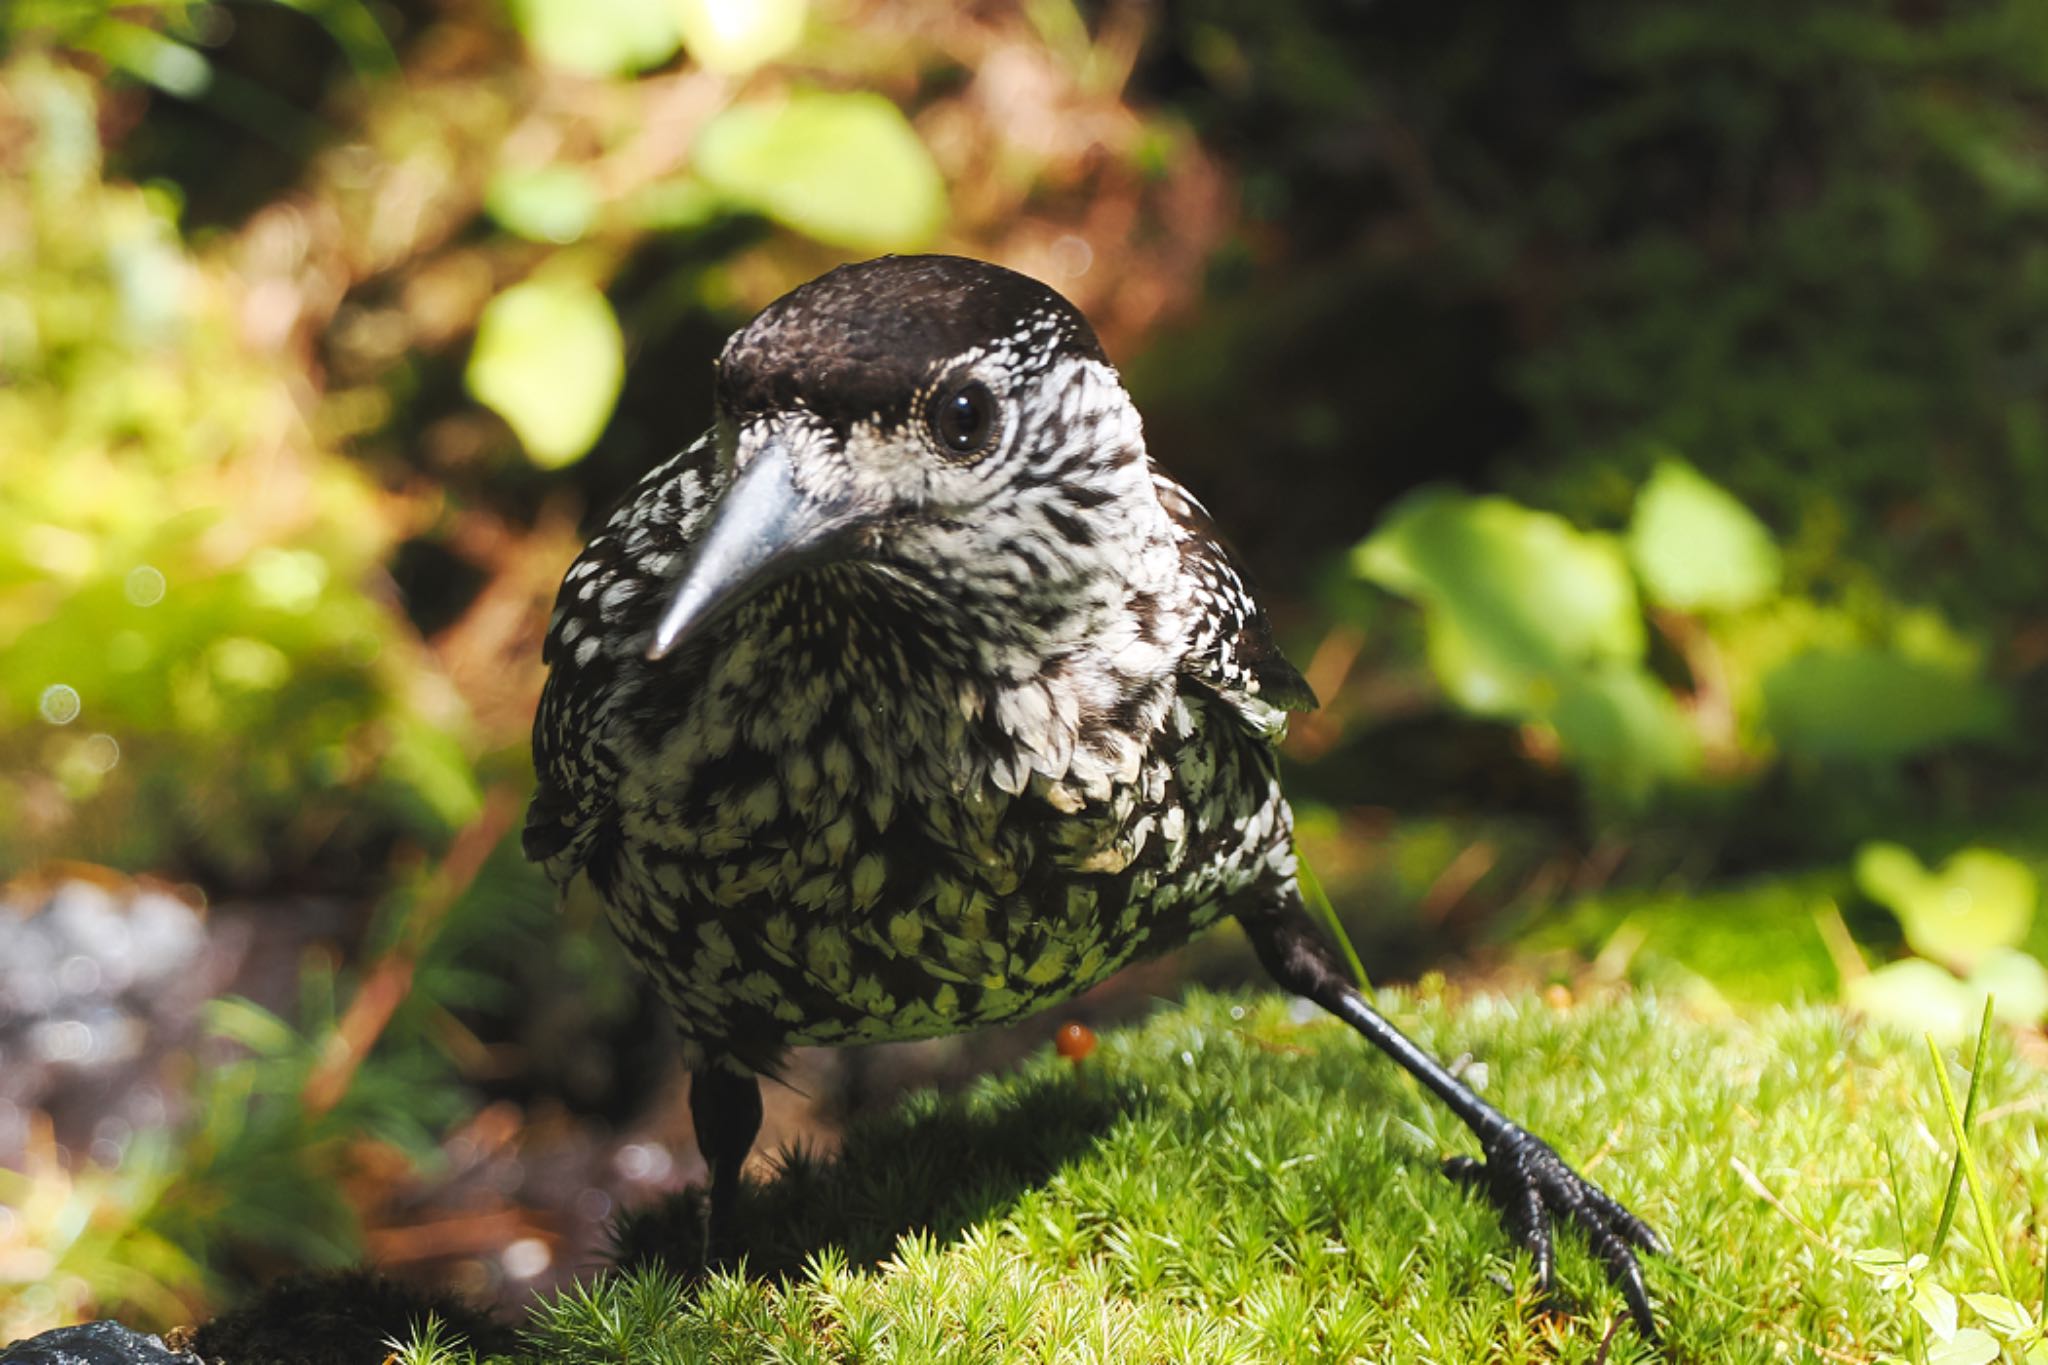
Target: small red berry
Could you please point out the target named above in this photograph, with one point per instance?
(1074, 1041)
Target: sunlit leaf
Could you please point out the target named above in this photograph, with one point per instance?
(1875, 704)
(2006, 1317)
(1917, 996)
(1979, 900)
(672, 204)
(1482, 680)
(1696, 547)
(1515, 594)
(2017, 984)
(1624, 729)
(738, 35)
(1936, 1307)
(844, 168)
(1967, 1347)
(147, 55)
(248, 1023)
(599, 37)
(1890, 1268)
(546, 204)
(549, 359)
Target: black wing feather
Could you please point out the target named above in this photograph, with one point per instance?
(1233, 654)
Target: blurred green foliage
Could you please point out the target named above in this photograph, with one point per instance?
(1968, 919)
(201, 663)
(1531, 619)
(549, 359)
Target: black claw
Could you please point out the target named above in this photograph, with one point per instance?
(1533, 1187)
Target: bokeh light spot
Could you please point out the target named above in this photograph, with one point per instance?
(59, 704)
(145, 585)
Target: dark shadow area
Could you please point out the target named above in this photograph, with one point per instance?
(343, 1318)
(936, 1164)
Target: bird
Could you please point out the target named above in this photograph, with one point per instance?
(914, 697)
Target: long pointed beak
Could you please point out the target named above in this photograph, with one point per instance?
(762, 530)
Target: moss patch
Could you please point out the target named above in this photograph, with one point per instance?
(1238, 1179)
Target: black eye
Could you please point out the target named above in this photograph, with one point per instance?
(964, 421)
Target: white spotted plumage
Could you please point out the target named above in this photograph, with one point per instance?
(1015, 737)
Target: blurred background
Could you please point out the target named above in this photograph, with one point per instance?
(1634, 413)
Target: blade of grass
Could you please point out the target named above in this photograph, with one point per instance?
(1955, 1172)
(1891, 1166)
(1318, 902)
(1966, 1153)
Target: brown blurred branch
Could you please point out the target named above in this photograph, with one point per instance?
(389, 980)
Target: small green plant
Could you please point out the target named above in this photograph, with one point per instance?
(1967, 921)
(1530, 619)
(2006, 1326)
(432, 1342)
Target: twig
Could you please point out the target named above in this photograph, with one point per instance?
(389, 980)
(1763, 1192)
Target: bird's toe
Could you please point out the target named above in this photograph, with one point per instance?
(1533, 1188)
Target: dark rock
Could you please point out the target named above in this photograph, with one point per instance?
(94, 1343)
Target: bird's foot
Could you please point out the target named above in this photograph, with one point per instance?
(1532, 1187)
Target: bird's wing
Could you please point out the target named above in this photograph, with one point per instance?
(599, 624)
(1231, 650)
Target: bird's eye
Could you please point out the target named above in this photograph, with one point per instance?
(964, 420)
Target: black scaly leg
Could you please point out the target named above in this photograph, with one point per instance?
(1525, 1179)
(726, 1108)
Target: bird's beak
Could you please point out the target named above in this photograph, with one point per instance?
(764, 529)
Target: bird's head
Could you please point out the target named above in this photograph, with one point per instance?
(942, 422)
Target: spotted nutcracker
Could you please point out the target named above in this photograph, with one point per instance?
(913, 697)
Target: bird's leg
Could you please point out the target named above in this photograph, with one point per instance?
(725, 1106)
(1525, 1179)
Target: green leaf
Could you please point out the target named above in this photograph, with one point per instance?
(545, 204)
(2005, 1316)
(1967, 1347)
(1696, 547)
(1862, 703)
(675, 203)
(599, 37)
(735, 36)
(1980, 900)
(1514, 596)
(248, 1023)
(1624, 729)
(844, 168)
(2016, 982)
(1936, 1307)
(1889, 1267)
(1917, 996)
(549, 360)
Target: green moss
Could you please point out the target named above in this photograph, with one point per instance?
(1235, 1180)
